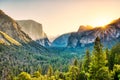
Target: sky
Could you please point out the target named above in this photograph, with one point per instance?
(62, 16)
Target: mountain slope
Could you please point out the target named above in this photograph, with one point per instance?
(17, 49)
(35, 31)
(11, 28)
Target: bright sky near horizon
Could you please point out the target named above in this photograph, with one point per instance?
(62, 16)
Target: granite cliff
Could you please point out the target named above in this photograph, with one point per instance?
(35, 31)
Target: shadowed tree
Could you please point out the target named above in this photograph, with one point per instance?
(87, 61)
(75, 62)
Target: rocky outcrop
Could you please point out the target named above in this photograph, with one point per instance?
(7, 40)
(35, 31)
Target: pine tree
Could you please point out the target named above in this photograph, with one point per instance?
(97, 62)
(107, 53)
(87, 61)
(111, 61)
(75, 63)
(57, 73)
(73, 72)
(50, 71)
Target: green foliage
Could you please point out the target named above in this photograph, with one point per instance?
(87, 61)
(36, 74)
(73, 72)
(82, 76)
(75, 62)
(2, 47)
(57, 73)
(16, 59)
(21, 64)
(50, 71)
(116, 71)
(114, 57)
(97, 62)
(97, 46)
(103, 74)
(107, 53)
(24, 76)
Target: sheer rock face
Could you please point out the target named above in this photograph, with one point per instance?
(84, 37)
(11, 28)
(61, 41)
(35, 31)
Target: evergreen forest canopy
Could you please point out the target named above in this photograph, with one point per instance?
(96, 65)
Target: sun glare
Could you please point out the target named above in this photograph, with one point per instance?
(100, 22)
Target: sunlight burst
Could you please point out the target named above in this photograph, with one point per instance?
(100, 22)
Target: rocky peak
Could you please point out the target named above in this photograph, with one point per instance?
(84, 28)
(1, 12)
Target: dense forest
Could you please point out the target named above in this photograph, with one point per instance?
(100, 64)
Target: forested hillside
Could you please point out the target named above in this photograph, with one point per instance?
(96, 65)
(16, 59)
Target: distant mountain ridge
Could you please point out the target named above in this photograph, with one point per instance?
(109, 35)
